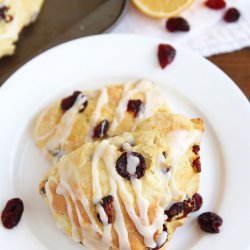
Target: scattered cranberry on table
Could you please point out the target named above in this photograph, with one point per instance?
(231, 15)
(210, 222)
(177, 24)
(166, 54)
(215, 4)
(12, 213)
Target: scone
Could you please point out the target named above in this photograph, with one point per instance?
(14, 16)
(131, 191)
(86, 116)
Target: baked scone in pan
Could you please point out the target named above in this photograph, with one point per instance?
(14, 16)
(130, 191)
(88, 116)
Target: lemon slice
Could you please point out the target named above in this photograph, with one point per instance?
(162, 8)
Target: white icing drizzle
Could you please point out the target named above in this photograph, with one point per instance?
(49, 193)
(85, 204)
(132, 163)
(107, 237)
(146, 110)
(103, 215)
(164, 179)
(148, 105)
(119, 223)
(121, 108)
(63, 188)
(97, 193)
(126, 139)
(162, 239)
(60, 190)
(126, 146)
(68, 174)
(142, 203)
(102, 100)
(146, 230)
(102, 129)
(84, 236)
(38, 124)
(153, 99)
(178, 143)
(63, 129)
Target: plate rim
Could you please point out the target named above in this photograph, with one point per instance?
(8, 85)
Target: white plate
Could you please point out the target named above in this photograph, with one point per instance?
(193, 87)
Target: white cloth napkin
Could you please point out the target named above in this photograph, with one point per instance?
(209, 33)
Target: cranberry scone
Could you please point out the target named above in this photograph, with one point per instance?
(130, 191)
(87, 116)
(14, 16)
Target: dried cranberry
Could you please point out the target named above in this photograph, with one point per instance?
(166, 55)
(210, 222)
(196, 202)
(107, 204)
(121, 165)
(197, 164)
(4, 16)
(183, 208)
(215, 4)
(3, 11)
(177, 208)
(69, 101)
(134, 106)
(196, 149)
(193, 204)
(101, 129)
(231, 15)
(12, 213)
(177, 24)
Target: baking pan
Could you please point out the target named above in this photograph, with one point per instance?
(61, 21)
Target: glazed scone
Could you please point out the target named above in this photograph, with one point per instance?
(14, 16)
(87, 116)
(130, 191)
